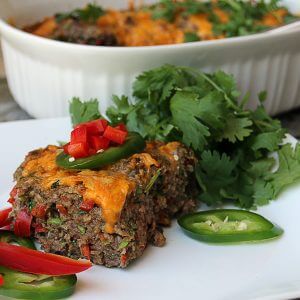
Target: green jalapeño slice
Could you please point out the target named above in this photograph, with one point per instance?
(229, 226)
(10, 238)
(134, 144)
(21, 285)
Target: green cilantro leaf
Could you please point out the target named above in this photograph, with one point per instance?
(289, 168)
(166, 9)
(236, 129)
(204, 111)
(84, 111)
(262, 96)
(118, 113)
(214, 172)
(267, 140)
(90, 14)
(185, 111)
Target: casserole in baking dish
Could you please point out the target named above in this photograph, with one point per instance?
(44, 74)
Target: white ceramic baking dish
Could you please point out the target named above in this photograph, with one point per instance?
(43, 74)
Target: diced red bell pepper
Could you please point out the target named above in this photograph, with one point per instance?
(94, 127)
(115, 135)
(4, 216)
(122, 127)
(92, 151)
(104, 123)
(39, 211)
(13, 193)
(39, 228)
(1, 280)
(87, 205)
(86, 251)
(78, 150)
(62, 210)
(123, 259)
(23, 223)
(99, 142)
(79, 135)
(36, 262)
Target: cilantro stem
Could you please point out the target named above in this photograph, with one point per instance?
(217, 87)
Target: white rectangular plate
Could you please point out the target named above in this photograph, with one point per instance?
(184, 268)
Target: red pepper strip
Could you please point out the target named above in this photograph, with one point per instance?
(8, 222)
(36, 262)
(1, 280)
(4, 216)
(115, 135)
(6, 227)
(87, 205)
(23, 223)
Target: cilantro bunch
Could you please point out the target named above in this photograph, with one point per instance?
(232, 143)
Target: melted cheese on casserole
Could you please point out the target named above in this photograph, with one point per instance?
(108, 189)
(46, 28)
(136, 27)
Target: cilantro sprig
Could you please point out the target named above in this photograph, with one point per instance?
(167, 9)
(90, 13)
(232, 143)
(81, 112)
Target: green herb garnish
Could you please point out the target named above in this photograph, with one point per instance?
(54, 221)
(203, 111)
(167, 9)
(123, 244)
(81, 229)
(191, 37)
(90, 13)
(231, 142)
(243, 16)
(84, 111)
(152, 181)
(31, 204)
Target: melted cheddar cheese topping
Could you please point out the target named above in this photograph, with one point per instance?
(108, 189)
(137, 27)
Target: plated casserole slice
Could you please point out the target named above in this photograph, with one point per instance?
(131, 200)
